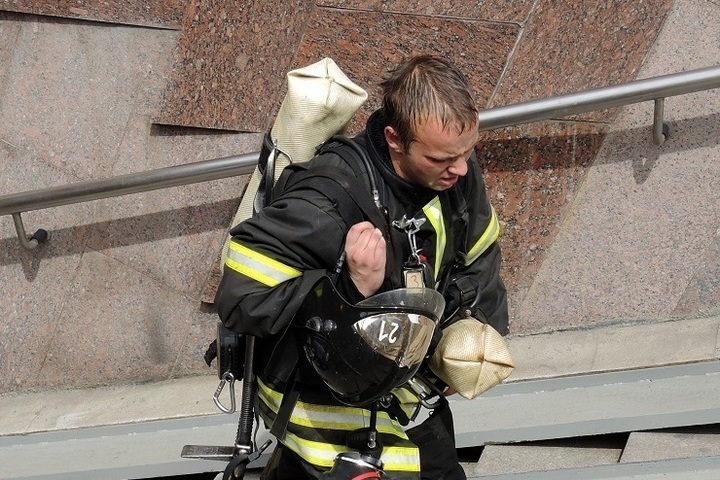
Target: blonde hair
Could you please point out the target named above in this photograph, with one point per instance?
(427, 87)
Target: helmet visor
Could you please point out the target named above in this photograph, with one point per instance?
(403, 328)
(401, 337)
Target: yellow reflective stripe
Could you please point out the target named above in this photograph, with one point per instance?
(491, 233)
(330, 417)
(316, 453)
(257, 266)
(433, 212)
(396, 459)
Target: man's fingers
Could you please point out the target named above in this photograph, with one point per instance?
(363, 236)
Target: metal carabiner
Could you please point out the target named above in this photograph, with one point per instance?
(411, 227)
(226, 378)
(422, 394)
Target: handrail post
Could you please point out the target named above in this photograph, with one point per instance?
(660, 129)
(40, 236)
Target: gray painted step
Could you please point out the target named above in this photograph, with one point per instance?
(582, 405)
(702, 468)
(117, 452)
(602, 403)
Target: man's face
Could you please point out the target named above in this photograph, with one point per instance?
(437, 157)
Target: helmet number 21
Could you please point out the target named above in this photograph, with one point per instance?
(391, 337)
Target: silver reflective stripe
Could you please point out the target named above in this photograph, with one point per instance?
(257, 266)
(337, 417)
(398, 459)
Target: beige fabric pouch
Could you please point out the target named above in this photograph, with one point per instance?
(471, 357)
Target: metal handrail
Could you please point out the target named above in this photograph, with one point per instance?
(601, 98)
(656, 88)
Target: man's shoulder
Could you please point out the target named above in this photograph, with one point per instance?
(341, 152)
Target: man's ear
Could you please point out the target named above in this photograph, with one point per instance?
(393, 141)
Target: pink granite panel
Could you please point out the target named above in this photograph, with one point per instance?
(159, 13)
(702, 295)
(90, 112)
(577, 46)
(35, 284)
(499, 10)
(532, 175)
(116, 328)
(640, 242)
(367, 44)
(176, 246)
(202, 331)
(231, 63)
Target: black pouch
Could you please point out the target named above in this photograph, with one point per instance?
(229, 349)
(435, 438)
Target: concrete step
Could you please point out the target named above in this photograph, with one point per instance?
(677, 443)
(117, 452)
(699, 468)
(550, 455)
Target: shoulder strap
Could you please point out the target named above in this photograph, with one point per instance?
(348, 192)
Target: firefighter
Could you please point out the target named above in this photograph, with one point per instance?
(439, 232)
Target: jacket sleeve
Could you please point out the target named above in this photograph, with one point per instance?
(476, 284)
(274, 259)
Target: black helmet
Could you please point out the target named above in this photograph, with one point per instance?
(363, 351)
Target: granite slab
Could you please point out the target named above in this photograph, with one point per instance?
(155, 13)
(575, 46)
(493, 10)
(231, 61)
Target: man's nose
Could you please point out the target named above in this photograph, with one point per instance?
(459, 167)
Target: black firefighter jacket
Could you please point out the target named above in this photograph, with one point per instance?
(276, 256)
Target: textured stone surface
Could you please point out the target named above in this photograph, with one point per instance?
(366, 45)
(231, 61)
(636, 243)
(569, 47)
(92, 112)
(115, 271)
(540, 456)
(501, 10)
(532, 174)
(682, 443)
(35, 284)
(631, 236)
(161, 13)
(94, 345)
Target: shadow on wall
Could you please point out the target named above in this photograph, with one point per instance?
(120, 233)
(533, 173)
(685, 134)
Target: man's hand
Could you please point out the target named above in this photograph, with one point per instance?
(365, 257)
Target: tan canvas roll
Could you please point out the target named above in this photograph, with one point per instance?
(320, 102)
(471, 357)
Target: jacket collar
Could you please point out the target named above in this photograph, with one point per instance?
(410, 195)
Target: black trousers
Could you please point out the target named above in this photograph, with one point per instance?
(435, 438)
